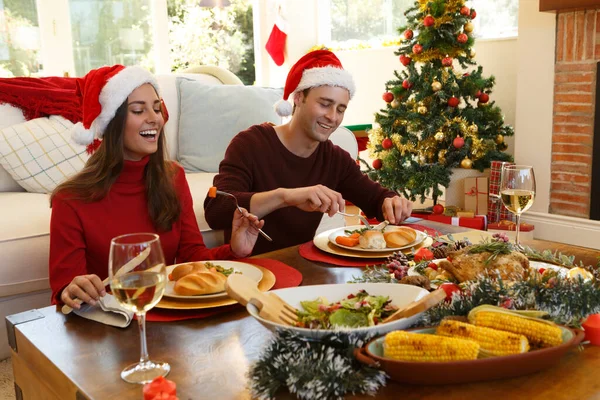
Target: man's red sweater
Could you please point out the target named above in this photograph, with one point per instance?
(80, 233)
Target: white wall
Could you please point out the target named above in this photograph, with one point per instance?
(535, 92)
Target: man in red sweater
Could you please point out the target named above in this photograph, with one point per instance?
(290, 174)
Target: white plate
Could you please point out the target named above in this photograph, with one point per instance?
(246, 269)
(390, 228)
(400, 294)
(562, 271)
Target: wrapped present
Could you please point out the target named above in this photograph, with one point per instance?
(496, 210)
(478, 222)
(509, 228)
(476, 195)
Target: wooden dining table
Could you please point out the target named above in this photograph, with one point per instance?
(64, 357)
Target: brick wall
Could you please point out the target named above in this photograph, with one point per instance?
(577, 53)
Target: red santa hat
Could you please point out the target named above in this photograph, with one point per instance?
(102, 91)
(317, 68)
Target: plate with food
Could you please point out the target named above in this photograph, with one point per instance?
(356, 307)
(503, 346)
(205, 279)
(463, 265)
(390, 238)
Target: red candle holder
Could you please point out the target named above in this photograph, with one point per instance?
(591, 327)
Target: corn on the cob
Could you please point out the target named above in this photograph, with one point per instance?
(539, 333)
(408, 346)
(494, 342)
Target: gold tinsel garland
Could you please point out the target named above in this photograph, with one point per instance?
(435, 54)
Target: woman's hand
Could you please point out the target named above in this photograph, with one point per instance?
(244, 232)
(87, 288)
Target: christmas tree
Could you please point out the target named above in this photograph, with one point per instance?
(436, 117)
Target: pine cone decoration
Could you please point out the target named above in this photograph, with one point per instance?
(461, 244)
(440, 251)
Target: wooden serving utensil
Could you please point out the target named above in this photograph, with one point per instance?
(272, 307)
(424, 303)
(131, 264)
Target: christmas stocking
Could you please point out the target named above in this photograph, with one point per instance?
(276, 43)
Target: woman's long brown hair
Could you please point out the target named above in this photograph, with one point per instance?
(102, 169)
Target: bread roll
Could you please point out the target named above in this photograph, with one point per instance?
(185, 269)
(372, 239)
(200, 283)
(399, 237)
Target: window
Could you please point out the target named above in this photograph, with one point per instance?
(161, 35)
(19, 38)
(369, 23)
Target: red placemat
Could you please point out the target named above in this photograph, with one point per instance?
(309, 251)
(285, 276)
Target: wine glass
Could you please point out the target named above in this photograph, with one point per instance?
(517, 191)
(136, 268)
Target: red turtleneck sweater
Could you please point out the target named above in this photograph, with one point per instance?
(80, 233)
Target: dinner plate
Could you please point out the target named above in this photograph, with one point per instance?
(248, 270)
(562, 271)
(197, 303)
(321, 241)
(441, 373)
(390, 228)
(400, 295)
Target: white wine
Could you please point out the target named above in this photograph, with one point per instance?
(517, 201)
(139, 291)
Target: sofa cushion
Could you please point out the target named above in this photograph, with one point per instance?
(210, 116)
(39, 154)
(9, 115)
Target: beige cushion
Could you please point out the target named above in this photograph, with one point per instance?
(39, 154)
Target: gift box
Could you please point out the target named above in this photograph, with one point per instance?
(509, 228)
(476, 195)
(478, 222)
(496, 210)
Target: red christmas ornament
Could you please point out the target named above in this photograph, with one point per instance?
(466, 74)
(405, 60)
(484, 98)
(377, 164)
(406, 84)
(464, 10)
(388, 97)
(462, 38)
(408, 34)
(417, 49)
(458, 142)
(478, 94)
(473, 14)
(453, 101)
(438, 209)
(428, 21)
(447, 61)
(387, 143)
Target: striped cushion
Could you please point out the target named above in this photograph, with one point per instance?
(39, 154)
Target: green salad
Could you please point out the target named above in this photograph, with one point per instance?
(355, 311)
(218, 268)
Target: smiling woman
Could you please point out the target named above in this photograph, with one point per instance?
(143, 124)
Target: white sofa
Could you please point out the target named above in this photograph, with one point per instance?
(24, 232)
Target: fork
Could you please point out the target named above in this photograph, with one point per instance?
(363, 219)
(240, 210)
(270, 306)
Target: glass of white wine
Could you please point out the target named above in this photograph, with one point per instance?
(138, 277)
(517, 191)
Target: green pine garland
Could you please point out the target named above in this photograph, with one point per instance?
(310, 369)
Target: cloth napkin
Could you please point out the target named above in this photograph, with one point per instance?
(309, 251)
(106, 311)
(285, 276)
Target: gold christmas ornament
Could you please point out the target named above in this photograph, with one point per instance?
(472, 53)
(395, 103)
(422, 110)
(397, 123)
(473, 129)
(439, 136)
(499, 139)
(436, 86)
(468, 27)
(466, 163)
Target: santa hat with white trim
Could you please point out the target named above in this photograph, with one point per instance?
(102, 92)
(317, 68)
